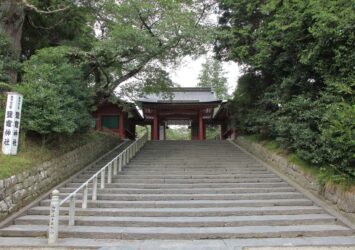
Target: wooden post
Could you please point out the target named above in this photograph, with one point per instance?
(54, 218)
(155, 128)
(121, 126)
(200, 127)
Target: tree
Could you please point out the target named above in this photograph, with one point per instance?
(133, 38)
(141, 37)
(302, 52)
(12, 18)
(8, 64)
(57, 100)
(212, 75)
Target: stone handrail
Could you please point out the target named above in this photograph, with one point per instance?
(116, 164)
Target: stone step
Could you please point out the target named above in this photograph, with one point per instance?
(188, 203)
(159, 197)
(225, 221)
(178, 177)
(200, 163)
(191, 157)
(195, 168)
(135, 233)
(188, 212)
(191, 186)
(190, 181)
(112, 190)
(190, 167)
(131, 171)
(185, 191)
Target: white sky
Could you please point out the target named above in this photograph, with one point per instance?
(187, 73)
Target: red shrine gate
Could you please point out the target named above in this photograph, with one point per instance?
(187, 106)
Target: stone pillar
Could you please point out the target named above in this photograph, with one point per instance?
(54, 218)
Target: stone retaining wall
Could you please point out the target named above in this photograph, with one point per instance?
(344, 200)
(19, 190)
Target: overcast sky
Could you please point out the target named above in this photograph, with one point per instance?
(187, 74)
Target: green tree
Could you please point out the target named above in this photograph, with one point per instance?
(56, 97)
(303, 54)
(8, 64)
(141, 37)
(13, 14)
(133, 38)
(212, 75)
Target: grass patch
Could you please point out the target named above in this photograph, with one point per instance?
(272, 145)
(304, 165)
(31, 153)
(253, 138)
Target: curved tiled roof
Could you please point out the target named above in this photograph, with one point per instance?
(182, 95)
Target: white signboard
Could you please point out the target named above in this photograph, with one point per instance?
(12, 123)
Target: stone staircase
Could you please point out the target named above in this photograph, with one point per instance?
(186, 190)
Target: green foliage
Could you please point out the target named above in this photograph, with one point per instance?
(7, 65)
(72, 27)
(141, 38)
(56, 98)
(4, 87)
(178, 133)
(212, 76)
(8, 62)
(299, 83)
(212, 132)
(338, 135)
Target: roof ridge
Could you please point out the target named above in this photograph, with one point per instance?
(191, 89)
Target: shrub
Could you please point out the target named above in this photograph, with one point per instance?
(56, 97)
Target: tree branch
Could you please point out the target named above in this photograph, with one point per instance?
(32, 7)
(148, 28)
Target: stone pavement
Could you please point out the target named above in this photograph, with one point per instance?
(187, 195)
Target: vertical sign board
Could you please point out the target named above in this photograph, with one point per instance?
(12, 119)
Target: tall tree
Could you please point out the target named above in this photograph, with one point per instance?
(12, 17)
(212, 75)
(300, 57)
(138, 38)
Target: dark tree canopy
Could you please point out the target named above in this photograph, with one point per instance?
(299, 84)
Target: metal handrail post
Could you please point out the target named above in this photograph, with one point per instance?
(120, 163)
(102, 186)
(109, 173)
(115, 166)
(85, 197)
(94, 189)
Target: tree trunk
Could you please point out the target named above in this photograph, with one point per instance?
(12, 16)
